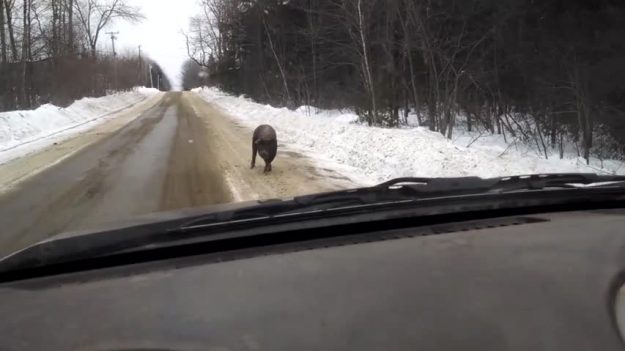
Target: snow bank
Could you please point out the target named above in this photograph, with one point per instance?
(341, 116)
(369, 154)
(19, 129)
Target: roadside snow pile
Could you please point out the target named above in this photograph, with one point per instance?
(337, 115)
(19, 128)
(369, 154)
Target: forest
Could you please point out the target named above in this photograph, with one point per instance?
(549, 72)
(50, 52)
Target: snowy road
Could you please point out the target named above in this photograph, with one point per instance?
(179, 152)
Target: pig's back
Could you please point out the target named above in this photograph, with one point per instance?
(264, 132)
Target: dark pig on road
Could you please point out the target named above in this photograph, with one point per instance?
(265, 143)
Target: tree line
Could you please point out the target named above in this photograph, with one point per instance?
(546, 72)
(193, 75)
(49, 52)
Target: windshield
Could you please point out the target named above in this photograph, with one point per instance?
(113, 109)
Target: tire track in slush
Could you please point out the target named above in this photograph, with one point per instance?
(62, 197)
(193, 177)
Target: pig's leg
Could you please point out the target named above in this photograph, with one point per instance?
(267, 167)
(254, 151)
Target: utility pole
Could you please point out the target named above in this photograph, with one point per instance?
(141, 72)
(113, 38)
(151, 79)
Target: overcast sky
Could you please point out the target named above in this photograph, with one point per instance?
(159, 34)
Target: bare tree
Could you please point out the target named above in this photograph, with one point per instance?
(38, 46)
(69, 4)
(358, 14)
(209, 32)
(8, 8)
(278, 61)
(3, 47)
(26, 50)
(199, 49)
(95, 15)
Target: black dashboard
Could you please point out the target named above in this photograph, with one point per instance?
(539, 282)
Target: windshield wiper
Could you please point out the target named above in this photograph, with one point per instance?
(415, 188)
(405, 189)
(419, 196)
(501, 184)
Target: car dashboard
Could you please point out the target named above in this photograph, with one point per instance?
(532, 282)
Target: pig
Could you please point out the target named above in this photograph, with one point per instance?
(264, 142)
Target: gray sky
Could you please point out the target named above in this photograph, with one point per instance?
(159, 34)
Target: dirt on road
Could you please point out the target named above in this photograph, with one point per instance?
(172, 153)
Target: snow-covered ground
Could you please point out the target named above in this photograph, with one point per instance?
(24, 132)
(370, 155)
